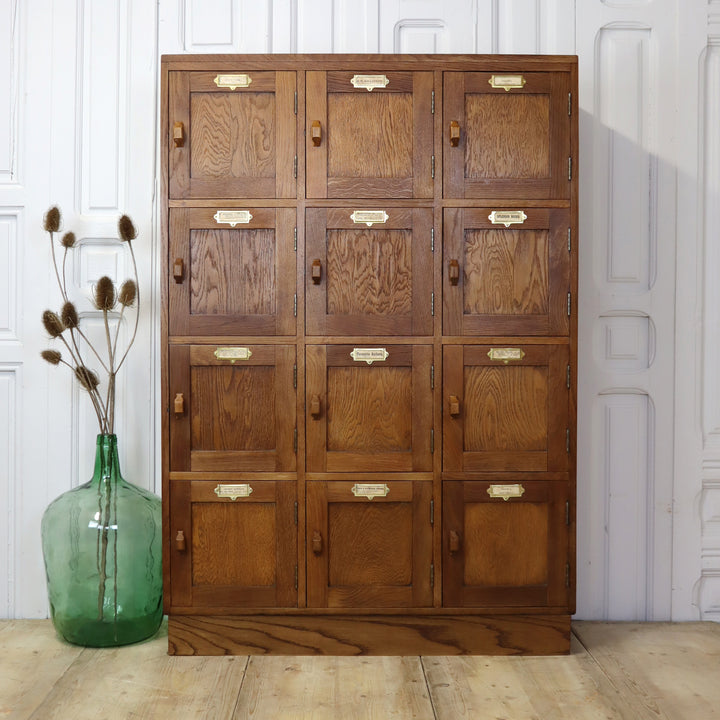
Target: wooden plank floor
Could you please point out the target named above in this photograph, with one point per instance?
(661, 671)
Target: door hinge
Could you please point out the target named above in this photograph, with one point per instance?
(567, 513)
(570, 168)
(432, 167)
(432, 377)
(295, 376)
(567, 377)
(432, 440)
(296, 102)
(296, 577)
(569, 104)
(295, 240)
(567, 440)
(432, 240)
(567, 575)
(295, 438)
(432, 576)
(432, 304)
(569, 240)
(432, 512)
(569, 303)
(295, 167)
(432, 102)
(295, 306)
(296, 512)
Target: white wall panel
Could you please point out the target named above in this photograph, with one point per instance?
(9, 89)
(355, 26)
(10, 276)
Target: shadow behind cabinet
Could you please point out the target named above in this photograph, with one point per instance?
(369, 338)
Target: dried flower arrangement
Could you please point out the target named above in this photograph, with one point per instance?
(65, 325)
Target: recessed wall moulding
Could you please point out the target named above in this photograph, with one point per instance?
(8, 278)
(625, 342)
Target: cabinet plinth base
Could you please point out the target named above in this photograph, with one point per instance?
(369, 635)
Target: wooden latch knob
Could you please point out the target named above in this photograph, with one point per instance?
(179, 134)
(315, 407)
(454, 542)
(180, 541)
(454, 405)
(316, 133)
(317, 543)
(454, 133)
(453, 272)
(179, 403)
(316, 271)
(179, 270)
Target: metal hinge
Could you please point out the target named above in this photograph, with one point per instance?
(570, 168)
(569, 303)
(296, 577)
(296, 102)
(569, 104)
(295, 376)
(432, 304)
(432, 167)
(567, 513)
(295, 306)
(295, 240)
(569, 240)
(295, 440)
(432, 377)
(567, 377)
(432, 512)
(432, 576)
(432, 102)
(432, 240)
(567, 575)
(295, 167)
(296, 512)
(567, 440)
(432, 440)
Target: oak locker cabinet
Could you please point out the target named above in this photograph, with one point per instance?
(369, 341)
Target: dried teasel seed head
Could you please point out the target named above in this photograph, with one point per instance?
(128, 293)
(51, 356)
(52, 219)
(86, 377)
(52, 323)
(105, 294)
(68, 240)
(126, 229)
(69, 315)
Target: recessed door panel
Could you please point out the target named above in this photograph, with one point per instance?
(232, 408)
(232, 135)
(369, 544)
(368, 271)
(369, 142)
(505, 272)
(506, 135)
(232, 272)
(505, 543)
(369, 416)
(233, 543)
(505, 408)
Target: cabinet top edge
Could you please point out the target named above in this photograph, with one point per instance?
(325, 61)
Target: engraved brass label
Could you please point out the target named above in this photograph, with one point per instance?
(506, 354)
(233, 353)
(369, 81)
(507, 217)
(505, 491)
(232, 217)
(233, 492)
(233, 82)
(507, 82)
(369, 217)
(369, 355)
(370, 491)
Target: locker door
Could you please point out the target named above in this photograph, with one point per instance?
(369, 142)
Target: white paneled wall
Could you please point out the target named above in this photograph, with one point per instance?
(79, 129)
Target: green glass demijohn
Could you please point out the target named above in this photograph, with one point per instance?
(102, 548)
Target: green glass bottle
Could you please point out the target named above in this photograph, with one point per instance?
(102, 547)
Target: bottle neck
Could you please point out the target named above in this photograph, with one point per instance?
(107, 464)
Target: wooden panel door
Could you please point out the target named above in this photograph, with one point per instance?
(232, 135)
(232, 408)
(505, 408)
(506, 272)
(368, 278)
(369, 544)
(232, 272)
(363, 143)
(363, 417)
(233, 543)
(505, 552)
(506, 143)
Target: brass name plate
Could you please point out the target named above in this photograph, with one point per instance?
(369, 217)
(369, 82)
(233, 353)
(233, 492)
(507, 217)
(507, 82)
(505, 491)
(369, 355)
(370, 491)
(233, 217)
(233, 82)
(506, 354)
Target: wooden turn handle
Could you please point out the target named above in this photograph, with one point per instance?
(315, 407)
(180, 541)
(317, 543)
(453, 272)
(454, 405)
(316, 271)
(179, 134)
(454, 133)
(454, 543)
(179, 270)
(316, 133)
(179, 403)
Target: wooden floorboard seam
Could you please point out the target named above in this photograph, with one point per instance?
(427, 685)
(240, 689)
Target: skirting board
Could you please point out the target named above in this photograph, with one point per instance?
(369, 635)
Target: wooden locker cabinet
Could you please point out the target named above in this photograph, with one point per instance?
(369, 374)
